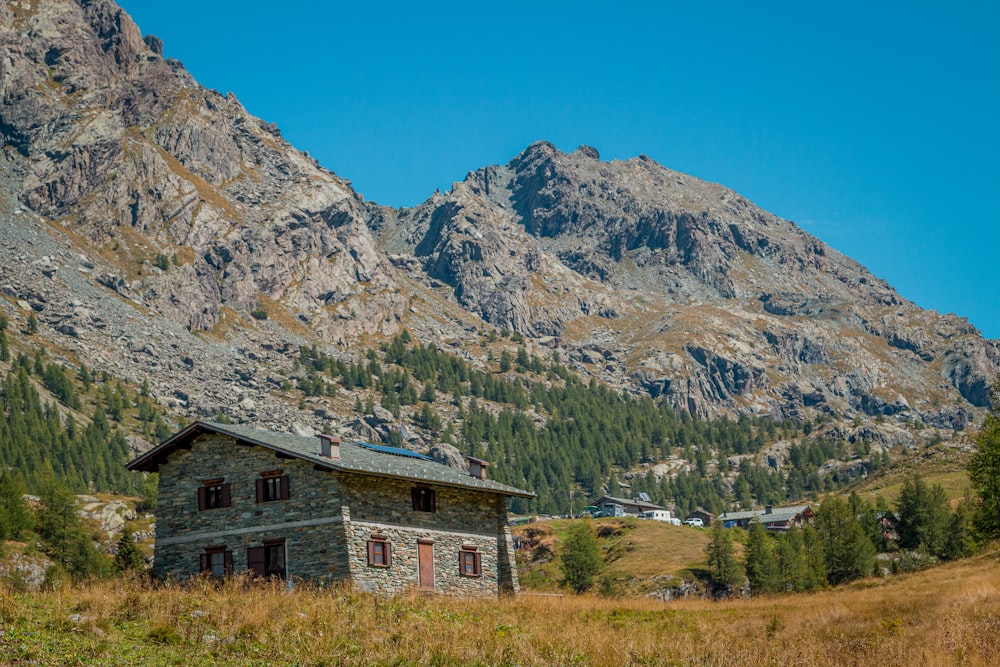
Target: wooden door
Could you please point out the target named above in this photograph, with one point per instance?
(425, 564)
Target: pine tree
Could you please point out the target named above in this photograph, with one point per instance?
(849, 553)
(66, 538)
(958, 541)
(428, 393)
(150, 491)
(722, 564)
(923, 519)
(741, 491)
(762, 566)
(14, 515)
(814, 572)
(984, 475)
(128, 556)
(791, 560)
(580, 558)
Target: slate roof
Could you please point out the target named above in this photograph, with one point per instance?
(641, 504)
(355, 457)
(737, 516)
(776, 515)
(782, 514)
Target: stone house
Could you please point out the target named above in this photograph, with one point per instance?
(633, 507)
(773, 518)
(234, 498)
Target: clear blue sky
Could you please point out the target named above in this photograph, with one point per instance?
(875, 126)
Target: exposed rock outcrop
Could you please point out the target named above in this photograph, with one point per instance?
(128, 151)
(714, 303)
(159, 231)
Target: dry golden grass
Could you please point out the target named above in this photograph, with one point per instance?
(946, 616)
(942, 464)
(277, 312)
(229, 319)
(639, 556)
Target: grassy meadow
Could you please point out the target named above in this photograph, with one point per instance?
(948, 615)
(639, 556)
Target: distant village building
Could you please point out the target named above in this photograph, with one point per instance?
(660, 515)
(612, 506)
(234, 498)
(772, 518)
(707, 518)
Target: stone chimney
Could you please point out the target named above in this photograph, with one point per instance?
(477, 468)
(329, 446)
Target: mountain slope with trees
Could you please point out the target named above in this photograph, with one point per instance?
(587, 325)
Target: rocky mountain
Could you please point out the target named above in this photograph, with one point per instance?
(686, 290)
(157, 229)
(128, 153)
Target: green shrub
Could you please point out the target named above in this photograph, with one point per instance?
(161, 261)
(164, 634)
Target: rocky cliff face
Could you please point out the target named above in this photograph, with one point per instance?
(689, 291)
(128, 152)
(145, 217)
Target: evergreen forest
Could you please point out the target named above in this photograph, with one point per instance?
(571, 441)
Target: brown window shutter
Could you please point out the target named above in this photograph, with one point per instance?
(371, 552)
(227, 561)
(284, 487)
(202, 497)
(388, 555)
(203, 562)
(226, 498)
(478, 570)
(260, 490)
(255, 560)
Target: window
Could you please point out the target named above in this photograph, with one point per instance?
(423, 499)
(272, 486)
(468, 562)
(213, 493)
(379, 551)
(267, 560)
(217, 561)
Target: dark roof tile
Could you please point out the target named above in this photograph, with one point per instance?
(362, 458)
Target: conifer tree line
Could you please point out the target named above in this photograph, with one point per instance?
(87, 457)
(56, 526)
(547, 430)
(843, 542)
(984, 473)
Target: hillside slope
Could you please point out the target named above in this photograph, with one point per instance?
(158, 231)
(686, 290)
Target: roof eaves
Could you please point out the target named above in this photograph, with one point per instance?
(495, 487)
(142, 461)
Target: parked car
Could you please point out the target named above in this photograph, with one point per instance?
(695, 523)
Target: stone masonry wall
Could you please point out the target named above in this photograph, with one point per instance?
(382, 506)
(326, 522)
(311, 519)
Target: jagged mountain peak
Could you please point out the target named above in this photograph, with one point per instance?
(128, 151)
(195, 214)
(686, 287)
